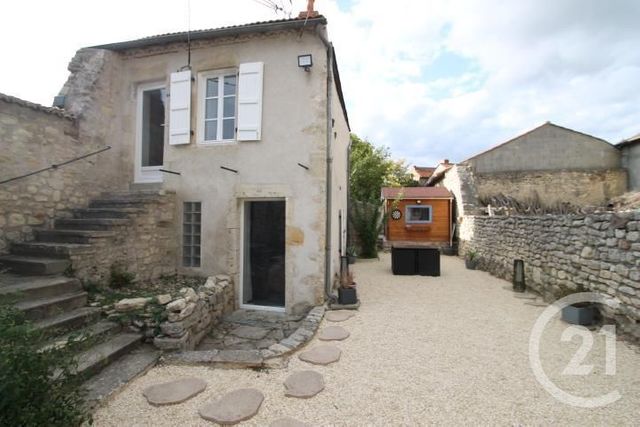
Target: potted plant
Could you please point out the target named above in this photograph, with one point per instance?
(581, 313)
(471, 259)
(352, 254)
(347, 290)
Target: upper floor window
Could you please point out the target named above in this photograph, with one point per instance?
(218, 93)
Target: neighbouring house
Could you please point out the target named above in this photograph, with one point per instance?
(630, 150)
(418, 215)
(550, 162)
(421, 174)
(245, 129)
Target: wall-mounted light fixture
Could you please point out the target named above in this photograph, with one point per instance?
(305, 61)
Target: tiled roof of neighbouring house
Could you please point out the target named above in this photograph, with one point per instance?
(416, 193)
(211, 33)
(424, 172)
(38, 107)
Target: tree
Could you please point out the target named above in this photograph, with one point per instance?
(373, 168)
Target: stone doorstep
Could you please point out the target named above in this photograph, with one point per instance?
(270, 357)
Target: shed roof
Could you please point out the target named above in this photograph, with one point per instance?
(416, 193)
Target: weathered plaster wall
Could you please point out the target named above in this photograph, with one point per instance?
(548, 147)
(600, 252)
(631, 161)
(32, 138)
(580, 188)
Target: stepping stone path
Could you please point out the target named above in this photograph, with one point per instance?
(339, 315)
(288, 422)
(333, 333)
(233, 407)
(174, 391)
(303, 384)
(321, 355)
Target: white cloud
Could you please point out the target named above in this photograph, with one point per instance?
(574, 62)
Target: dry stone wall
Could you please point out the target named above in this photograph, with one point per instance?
(600, 252)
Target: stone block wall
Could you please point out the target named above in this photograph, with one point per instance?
(146, 246)
(580, 188)
(600, 252)
(33, 137)
(191, 315)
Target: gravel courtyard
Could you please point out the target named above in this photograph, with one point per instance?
(450, 350)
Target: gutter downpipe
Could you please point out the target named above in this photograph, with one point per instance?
(329, 171)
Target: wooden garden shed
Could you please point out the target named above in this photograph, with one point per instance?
(418, 215)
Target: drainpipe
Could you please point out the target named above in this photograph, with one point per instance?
(329, 172)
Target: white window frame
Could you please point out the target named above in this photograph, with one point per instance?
(407, 216)
(202, 94)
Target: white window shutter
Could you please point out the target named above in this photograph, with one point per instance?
(250, 101)
(180, 108)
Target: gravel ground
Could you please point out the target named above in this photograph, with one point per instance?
(450, 350)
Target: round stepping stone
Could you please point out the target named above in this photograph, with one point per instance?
(238, 405)
(321, 355)
(303, 384)
(339, 315)
(174, 391)
(333, 333)
(288, 422)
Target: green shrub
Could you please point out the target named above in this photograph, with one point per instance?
(367, 220)
(30, 393)
(120, 278)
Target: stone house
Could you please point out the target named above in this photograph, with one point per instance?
(243, 128)
(421, 174)
(630, 151)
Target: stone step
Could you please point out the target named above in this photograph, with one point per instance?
(99, 356)
(34, 265)
(119, 373)
(104, 213)
(37, 286)
(49, 249)
(118, 202)
(93, 331)
(69, 320)
(71, 236)
(89, 224)
(37, 309)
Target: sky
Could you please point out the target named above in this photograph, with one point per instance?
(430, 79)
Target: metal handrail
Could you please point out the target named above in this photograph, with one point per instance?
(56, 166)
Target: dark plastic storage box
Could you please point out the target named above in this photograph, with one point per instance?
(403, 261)
(408, 261)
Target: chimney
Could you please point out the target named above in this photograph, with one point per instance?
(309, 13)
(444, 162)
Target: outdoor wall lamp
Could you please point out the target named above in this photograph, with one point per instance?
(305, 61)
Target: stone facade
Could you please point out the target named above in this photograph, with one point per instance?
(191, 315)
(580, 188)
(146, 245)
(34, 137)
(600, 252)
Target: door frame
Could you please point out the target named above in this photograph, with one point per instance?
(241, 303)
(146, 174)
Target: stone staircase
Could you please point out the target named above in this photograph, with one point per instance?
(33, 274)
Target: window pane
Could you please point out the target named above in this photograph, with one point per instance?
(212, 87)
(196, 207)
(211, 108)
(230, 85)
(228, 128)
(210, 130)
(229, 107)
(420, 214)
(196, 218)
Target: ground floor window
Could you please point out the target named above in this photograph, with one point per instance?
(191, 229)
(418, 214)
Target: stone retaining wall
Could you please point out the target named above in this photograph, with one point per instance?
(34, 137)
(191, 314)
(600, 252)
(146, 246)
